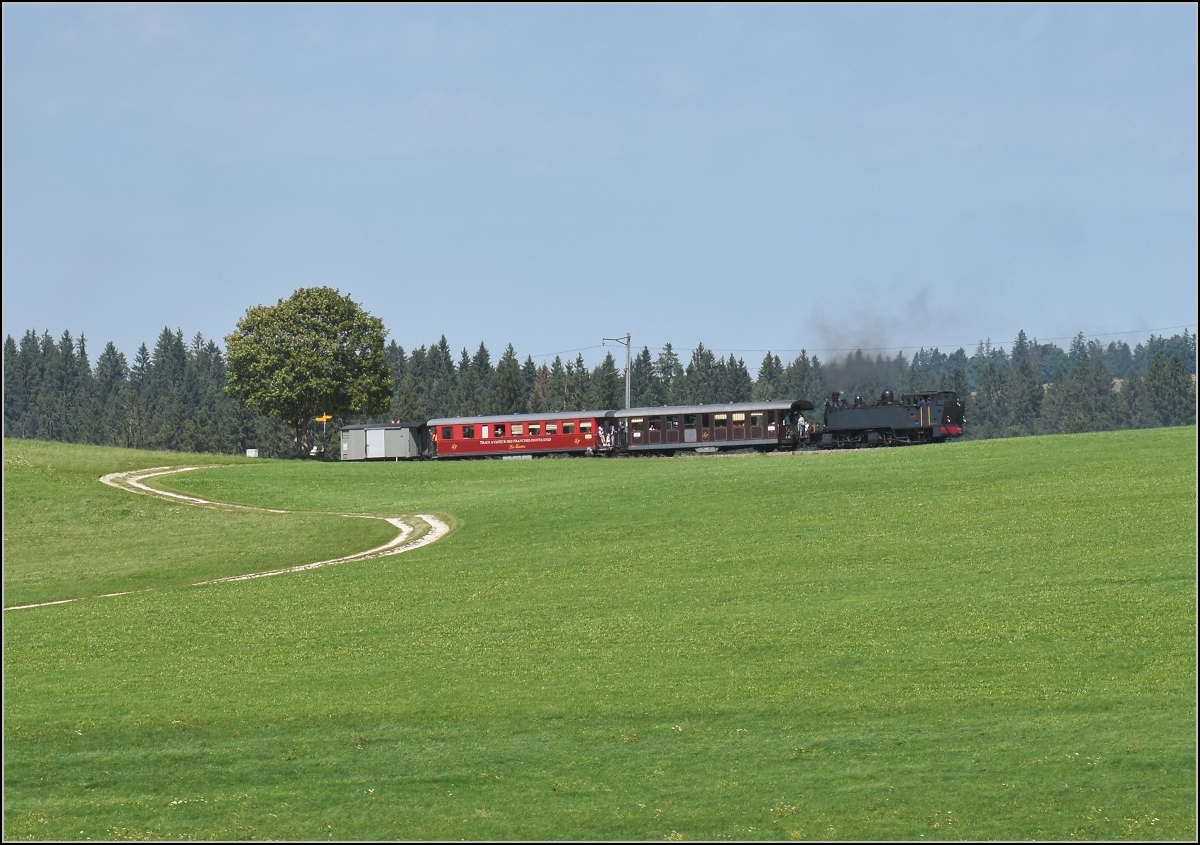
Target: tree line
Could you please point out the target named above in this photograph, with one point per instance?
(174, 396)
(170, 398)
(429, 383)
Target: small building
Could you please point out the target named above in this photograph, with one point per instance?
(385, 441)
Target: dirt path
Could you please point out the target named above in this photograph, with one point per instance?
(432, 529)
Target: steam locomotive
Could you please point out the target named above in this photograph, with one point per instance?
(925, 417)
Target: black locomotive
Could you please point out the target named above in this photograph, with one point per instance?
(928, 417)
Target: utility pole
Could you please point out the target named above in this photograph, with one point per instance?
(628, 343)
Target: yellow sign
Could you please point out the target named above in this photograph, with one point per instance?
(325, 418)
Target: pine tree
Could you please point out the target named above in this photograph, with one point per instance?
(699, 383)
(956, 380)
(737, 385)
(670, 374)
(578, 384)
(988, 416)
(1134, 403)
(164, 391)
(529, 372)
(481, 365)
(645, 386)
(112, 394)
(804, 378)
(18, 383)
(397, 362)
(82, 402)
(137, 425)
(769, 384)
(472, 397)
(1170, 391)
(1022, 399)
(1020, 347)
(508, 392)
(1082, 400)
(49, 409)
(927, 369)
(414, 403)
(441, 390)
(539, 395)
(607, 387)
(556, 395)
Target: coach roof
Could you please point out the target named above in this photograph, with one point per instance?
(511, 418)
(731, 407)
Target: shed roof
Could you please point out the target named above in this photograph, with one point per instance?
(387, 425)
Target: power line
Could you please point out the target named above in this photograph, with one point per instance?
(565, 351)
(955, 345)
(660, 348)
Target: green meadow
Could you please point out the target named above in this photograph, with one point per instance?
(983, 640)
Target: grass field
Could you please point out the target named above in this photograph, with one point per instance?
(980, 640)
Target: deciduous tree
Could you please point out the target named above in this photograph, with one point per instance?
(315, 352)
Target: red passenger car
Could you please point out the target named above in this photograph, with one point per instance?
(568, 432)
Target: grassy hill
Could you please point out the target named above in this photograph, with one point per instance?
(977, 640)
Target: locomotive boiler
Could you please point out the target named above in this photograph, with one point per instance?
(926, 417)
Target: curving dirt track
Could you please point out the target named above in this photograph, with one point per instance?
(131, 482)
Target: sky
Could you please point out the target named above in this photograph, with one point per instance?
(751, 177)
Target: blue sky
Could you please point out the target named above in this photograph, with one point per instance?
(752, 177)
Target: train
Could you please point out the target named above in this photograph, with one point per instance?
(922, 417)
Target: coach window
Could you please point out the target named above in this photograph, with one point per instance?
(689, 420)
(535, 429)
(447, 432)
(721, 420)
(635, 425)
(656, 424)
(552, 428)
(468, 432)
(756, 419)
(517, 429)
(499, 430)
(585, 427)
(704, 420)
(673, 422)
(568, 428)
(739, 419)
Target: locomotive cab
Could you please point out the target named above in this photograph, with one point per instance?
(940, 411)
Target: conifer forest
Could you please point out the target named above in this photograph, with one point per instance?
(173, 396)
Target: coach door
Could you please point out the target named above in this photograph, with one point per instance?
(375, 443)
(758, 428)
(654, 430)
(689, 428)
(671, 428)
